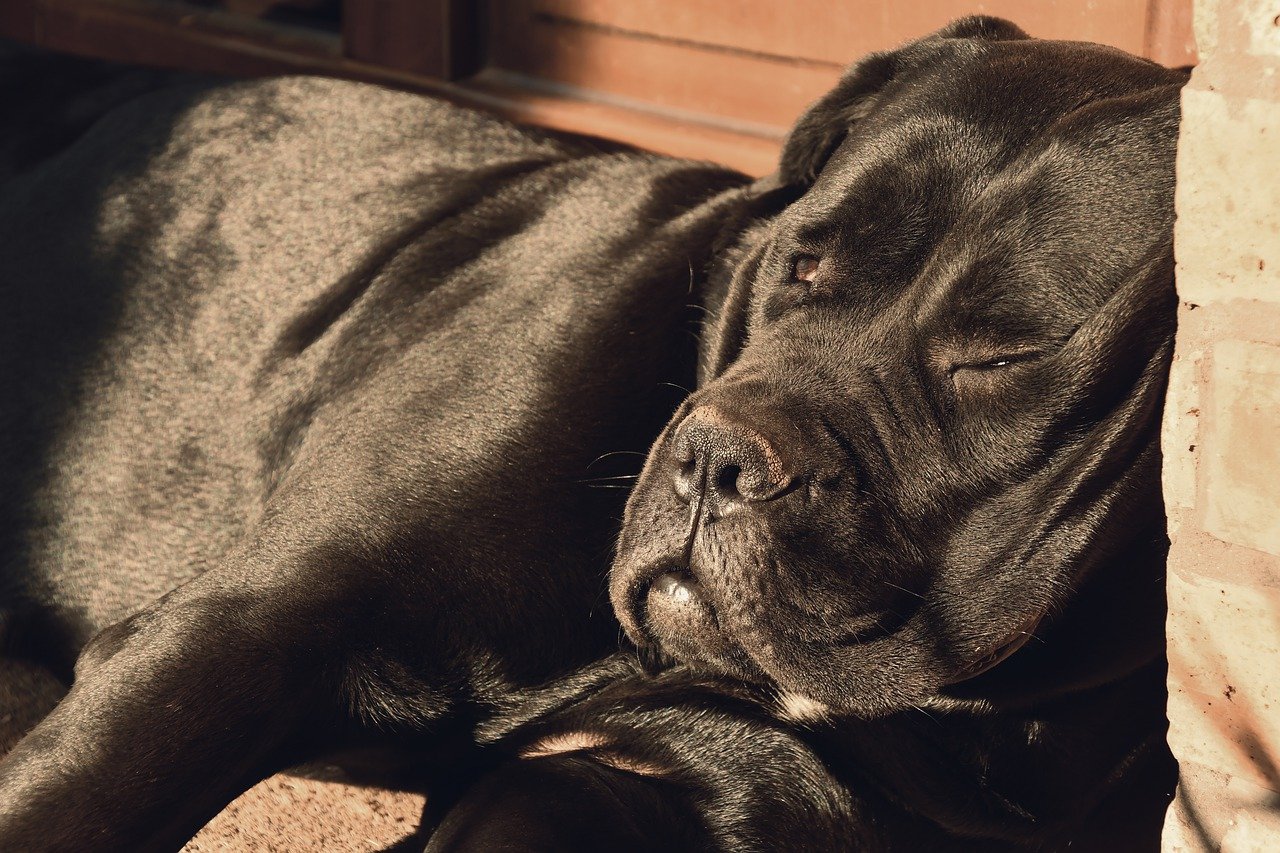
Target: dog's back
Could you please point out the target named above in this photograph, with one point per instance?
(210, 272)
(358, 372)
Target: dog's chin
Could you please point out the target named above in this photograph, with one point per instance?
(673, 613)
(864, 674)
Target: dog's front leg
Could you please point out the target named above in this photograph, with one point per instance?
(175, 711)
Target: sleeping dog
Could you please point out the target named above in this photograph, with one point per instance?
(314, 392)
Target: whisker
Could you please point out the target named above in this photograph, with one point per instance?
(927, 714)
(603, 456)
(903, 589)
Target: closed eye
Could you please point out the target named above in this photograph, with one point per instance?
(984, 365)
(998, 362)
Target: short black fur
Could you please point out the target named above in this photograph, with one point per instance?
(321, 402)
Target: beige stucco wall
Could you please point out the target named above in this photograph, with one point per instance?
(1222, 440)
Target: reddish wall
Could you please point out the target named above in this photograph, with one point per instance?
(1222, 439)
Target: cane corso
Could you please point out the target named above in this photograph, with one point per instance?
(320, 404)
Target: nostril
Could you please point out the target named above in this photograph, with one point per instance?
(685, 475)
(726, 460)
(727, 481)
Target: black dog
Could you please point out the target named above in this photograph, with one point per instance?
(317, 382)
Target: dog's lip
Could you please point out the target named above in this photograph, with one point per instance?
(634, 613)
(678, 615)
(675, 598)
(671, 583)
(872, 625)
(680, 587)
(671, 596)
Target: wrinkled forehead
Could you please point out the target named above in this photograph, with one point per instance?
(1008, 162)
(959, 111)
(1014, 87)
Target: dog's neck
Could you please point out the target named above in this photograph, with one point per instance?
(1071, 725)
(1113, 627)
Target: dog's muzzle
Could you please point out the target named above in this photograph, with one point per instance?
(723, 465)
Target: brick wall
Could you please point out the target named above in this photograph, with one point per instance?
(1222, 440)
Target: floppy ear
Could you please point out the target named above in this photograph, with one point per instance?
(737, 253)
(822, 128)
(1107, 358)
(824, 125)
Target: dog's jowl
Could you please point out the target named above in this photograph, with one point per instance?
(319, 403)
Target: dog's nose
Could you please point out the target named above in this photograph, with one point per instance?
(725, 462)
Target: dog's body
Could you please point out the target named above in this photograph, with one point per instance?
(314, 395)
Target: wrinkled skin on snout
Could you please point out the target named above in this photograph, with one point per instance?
(930, 391)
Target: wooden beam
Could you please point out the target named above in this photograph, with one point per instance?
(131, 31)
(434, 38)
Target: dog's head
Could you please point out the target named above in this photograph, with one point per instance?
(930, 388)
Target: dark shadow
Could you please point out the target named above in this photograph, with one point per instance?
(62, 294)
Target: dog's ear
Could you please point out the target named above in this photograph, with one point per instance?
(984, 27)
(826, 123)
(824, 126)
(1108, 358)
(737, 252)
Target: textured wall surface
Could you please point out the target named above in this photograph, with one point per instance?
(1222, 440)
